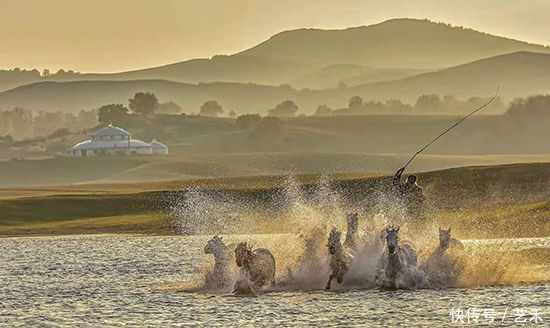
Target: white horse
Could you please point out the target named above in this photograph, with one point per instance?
(340, 259)
(397, 265)
(445, 265)
(221, 275)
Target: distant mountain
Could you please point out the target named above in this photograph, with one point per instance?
(77, 95)
(519, 74)
(341, 75)
(403, 43)
(410, 43)
(298, 56)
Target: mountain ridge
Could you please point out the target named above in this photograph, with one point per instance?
(290, 56)
(519, 74)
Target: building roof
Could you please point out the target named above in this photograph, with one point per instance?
(109, 144)
(157, 144)
(111, 131)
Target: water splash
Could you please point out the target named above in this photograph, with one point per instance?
(306, 214)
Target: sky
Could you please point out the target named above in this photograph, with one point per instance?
(121, 35)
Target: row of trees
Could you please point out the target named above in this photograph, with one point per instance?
(147, 104)
(427, 103)
(21, 123)
(143, 103)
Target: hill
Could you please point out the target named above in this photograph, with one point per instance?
(342, 75)
(392, 49)
(519, 74)
(400, 43)
(77, 95)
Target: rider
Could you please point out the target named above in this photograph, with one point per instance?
(411, 194)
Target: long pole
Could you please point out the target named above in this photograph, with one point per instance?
(451, 127)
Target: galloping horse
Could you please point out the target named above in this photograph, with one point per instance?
(352, 237)
(445, 239)
(256, 265)
(339, 258)
(397, 266)
(445, 265)
(220, 276)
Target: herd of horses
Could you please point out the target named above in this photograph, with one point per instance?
(397, 264)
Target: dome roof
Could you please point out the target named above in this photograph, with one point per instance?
(109, 144)
(157, 144)
(111, 131)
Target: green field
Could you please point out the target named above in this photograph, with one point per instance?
(504, 200)
(155, 169)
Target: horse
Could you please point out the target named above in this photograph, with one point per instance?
(397, 265)
(445, 239)
(220, 275)
(352, 237)
(339, 258)
(445, 265)
(256, 265)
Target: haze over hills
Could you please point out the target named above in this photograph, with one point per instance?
(397, 43)
(519, 74)
(392, 48)
(411, 43)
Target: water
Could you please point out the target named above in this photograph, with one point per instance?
(136, 281)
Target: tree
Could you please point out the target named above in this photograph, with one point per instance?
(533, 107)
(269, 127)
(355, 102)
(113, 113)
(59, 133)
(284, 109)
(248, 122)
(144, 103)
(46, 72)
(169, 107)
(211, 108)
(429, 103)
(323, 110)
(232, 114)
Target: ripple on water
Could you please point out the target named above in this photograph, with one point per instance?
(108, 280)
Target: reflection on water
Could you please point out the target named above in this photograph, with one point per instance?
(111, 280)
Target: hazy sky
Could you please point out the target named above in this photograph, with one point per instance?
(118, 35)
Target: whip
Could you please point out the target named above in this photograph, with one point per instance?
(450, 128)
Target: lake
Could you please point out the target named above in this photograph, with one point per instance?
(126, 281)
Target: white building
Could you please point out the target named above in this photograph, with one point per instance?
(112, 140)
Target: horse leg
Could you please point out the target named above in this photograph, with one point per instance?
(340, 277)
(332, 275)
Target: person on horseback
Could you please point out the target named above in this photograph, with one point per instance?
(411, 194)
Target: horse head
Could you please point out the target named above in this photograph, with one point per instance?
(352, 219)
(243, 253)
(214, 245)
(334, 241)
(444, 237)
(392, 239)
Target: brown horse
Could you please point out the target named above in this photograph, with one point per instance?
(256, 265)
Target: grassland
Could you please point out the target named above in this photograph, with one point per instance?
(159, 170)
(506, 200)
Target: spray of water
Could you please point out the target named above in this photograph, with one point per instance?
(295, 222)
